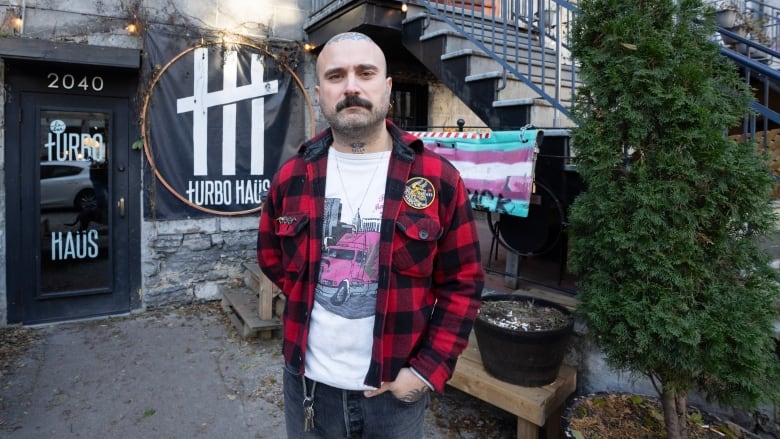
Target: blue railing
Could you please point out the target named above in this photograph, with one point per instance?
(754, 59)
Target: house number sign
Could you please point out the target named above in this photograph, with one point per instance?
(68, 81)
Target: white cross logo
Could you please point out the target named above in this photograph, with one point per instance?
(202, 100)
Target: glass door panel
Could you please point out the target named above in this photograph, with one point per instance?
(75, 254)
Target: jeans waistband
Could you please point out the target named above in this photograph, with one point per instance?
(320, 385)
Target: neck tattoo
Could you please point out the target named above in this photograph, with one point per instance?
(358, 147)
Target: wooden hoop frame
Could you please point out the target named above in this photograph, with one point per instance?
(145, 126)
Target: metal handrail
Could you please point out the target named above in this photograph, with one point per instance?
(507, 30)
(491, 29)
(504, 30)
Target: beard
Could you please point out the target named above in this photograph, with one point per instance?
(356, 126)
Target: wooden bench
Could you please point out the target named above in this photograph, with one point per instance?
(255, 314)
(534, 407)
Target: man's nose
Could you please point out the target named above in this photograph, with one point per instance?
(352, 84)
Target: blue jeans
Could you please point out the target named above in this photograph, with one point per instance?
(348, 414)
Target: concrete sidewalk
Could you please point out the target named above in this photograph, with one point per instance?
(174, 373)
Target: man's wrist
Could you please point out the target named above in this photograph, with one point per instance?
(422, 378)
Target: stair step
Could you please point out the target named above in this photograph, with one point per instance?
(270, 299)
(497, 74)
(252, 275)
(492, 41)
(453, 41)
(514, 88)
(539, 112)
(480, 63)
(523, 56)
(241, 306)
(492, 33)
(466, 16)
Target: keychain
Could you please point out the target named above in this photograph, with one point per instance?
(308, 406)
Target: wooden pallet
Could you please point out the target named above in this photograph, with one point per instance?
(242, 309)
(535, 407)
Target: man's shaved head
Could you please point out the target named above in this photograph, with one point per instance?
(356, 37)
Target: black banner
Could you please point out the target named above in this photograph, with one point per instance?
(219, 120)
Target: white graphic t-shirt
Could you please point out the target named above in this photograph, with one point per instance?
(342, 320)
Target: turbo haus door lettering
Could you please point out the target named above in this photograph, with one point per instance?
(73, 198)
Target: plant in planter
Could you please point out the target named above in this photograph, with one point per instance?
(674, 285)
(742, 22)
(726, 15)
(753, 27)
(522, 340)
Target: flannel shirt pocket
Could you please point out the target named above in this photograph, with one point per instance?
(291, 229)
(414, 245)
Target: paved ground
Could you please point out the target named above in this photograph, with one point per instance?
(174, 373)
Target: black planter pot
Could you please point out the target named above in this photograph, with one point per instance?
(524, 358)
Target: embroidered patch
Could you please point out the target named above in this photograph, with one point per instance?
(419, 193)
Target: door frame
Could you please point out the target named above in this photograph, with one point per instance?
(35, 80)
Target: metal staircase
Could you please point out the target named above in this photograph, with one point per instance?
(509, 62)
(510, 65)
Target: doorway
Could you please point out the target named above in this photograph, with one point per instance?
(71, 242)
(409, 109)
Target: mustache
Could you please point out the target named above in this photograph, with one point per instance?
(353, 101)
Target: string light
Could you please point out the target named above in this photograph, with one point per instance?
(133, 25)
(308, 47)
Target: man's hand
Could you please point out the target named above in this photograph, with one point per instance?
(407, 387)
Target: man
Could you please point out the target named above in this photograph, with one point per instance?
(372, 240)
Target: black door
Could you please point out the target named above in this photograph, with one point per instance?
(68, 218)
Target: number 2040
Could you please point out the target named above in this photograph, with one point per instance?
(68, 82)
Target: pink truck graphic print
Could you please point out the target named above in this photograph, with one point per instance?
(348, 265)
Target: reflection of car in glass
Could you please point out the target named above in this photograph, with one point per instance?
(66, 184)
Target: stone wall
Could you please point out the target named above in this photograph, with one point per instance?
(190, 260)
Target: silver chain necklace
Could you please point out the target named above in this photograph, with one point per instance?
(368, 188)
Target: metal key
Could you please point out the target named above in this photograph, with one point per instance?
(308, 414)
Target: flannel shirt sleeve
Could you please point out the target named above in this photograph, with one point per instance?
(458, 280)
(269, 255)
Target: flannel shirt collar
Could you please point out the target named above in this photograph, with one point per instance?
(405, 145)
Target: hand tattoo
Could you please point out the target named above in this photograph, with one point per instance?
(358, 147)
(414, 395)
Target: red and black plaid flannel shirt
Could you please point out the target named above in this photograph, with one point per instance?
(430, 273)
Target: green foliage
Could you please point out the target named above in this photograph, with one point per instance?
(665, 239)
